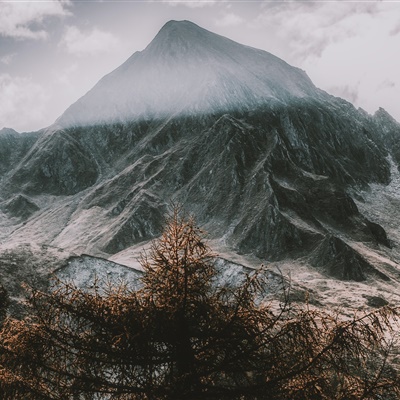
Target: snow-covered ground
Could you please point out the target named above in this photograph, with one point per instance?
(86, 272)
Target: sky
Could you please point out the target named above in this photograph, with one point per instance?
(53, 51)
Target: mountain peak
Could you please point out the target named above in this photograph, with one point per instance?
(183, 24)
(189, 70)
(8, 131)
(180, 38)
(179, 28)
(382, 114)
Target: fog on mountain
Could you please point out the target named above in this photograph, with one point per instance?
(277, 171)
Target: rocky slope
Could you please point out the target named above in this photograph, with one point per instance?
(273, 168)
(13, 147)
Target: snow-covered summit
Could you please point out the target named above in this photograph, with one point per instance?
(187, 69)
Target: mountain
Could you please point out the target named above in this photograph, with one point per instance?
(187, 70)
(273, 168)
(13, 147)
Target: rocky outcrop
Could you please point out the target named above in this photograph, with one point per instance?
(388, 130)
(339, 260)
(142, 220)
(273, 235)
(21, 207)
(13, 147)
(57, 164)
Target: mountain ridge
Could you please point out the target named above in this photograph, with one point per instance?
(290, 180)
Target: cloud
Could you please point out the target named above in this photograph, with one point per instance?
(386, 84)
(25, 20)
(348, 92)
(88, 43)
(367, 58)
(23, 103)
(396, 30)
(191, 3)
(347, 48)
(308, 28)
(64, 77)
(7, 59)
(229, 19)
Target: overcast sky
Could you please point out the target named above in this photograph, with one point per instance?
(52, 52)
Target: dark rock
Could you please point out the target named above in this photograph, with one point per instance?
(376, 301)
(21, 206)
(339, 260)
(272, 236)
(13, 147)
(388, 132)
(57, 164)
(379, 233)
(143, 221)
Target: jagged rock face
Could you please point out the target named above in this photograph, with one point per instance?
(259, 178)
(341, 261)
(390, 132)
(267, 162)
(56, 165)
(13, 147)
(21, 207)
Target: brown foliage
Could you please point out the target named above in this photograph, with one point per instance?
(181, 336)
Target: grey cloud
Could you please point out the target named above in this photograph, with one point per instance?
(309, 27)
(25, 20)
(396, 30)
(23, 102)
(386, 84)
(7, 59)
(191, 3)
(347, 92)
(229, 19)
(89, 42)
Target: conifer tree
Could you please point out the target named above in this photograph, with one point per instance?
(182, 336)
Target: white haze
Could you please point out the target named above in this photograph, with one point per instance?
(188, 69)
